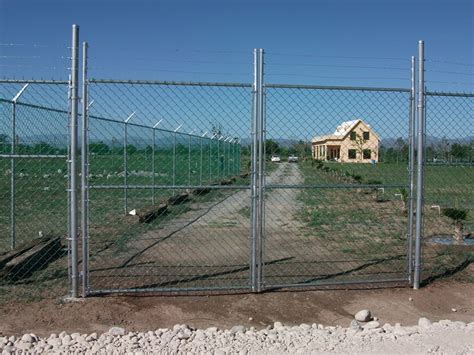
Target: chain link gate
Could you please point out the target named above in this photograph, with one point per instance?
(168, 185)
(340, 214)
(171, 210)
(180, 194)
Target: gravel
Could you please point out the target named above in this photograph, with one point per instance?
(427, 337)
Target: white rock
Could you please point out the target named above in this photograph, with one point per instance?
(27, 338)
(277, 325)
(424, 322)
(355, 325)
(363, 316)
(372, 325)
(116, 331)
(91, 337)
(55, 342)
(454, 309)
(237, 329)
(66, 340)
(24, 346)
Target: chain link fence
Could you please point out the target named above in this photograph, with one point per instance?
(449, 184)
(34, 179)
(198, 186)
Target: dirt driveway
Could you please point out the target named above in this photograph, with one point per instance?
(207, 246)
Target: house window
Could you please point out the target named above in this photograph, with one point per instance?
(366, 153)
(353, 136)
(352, 153)
(366, 136)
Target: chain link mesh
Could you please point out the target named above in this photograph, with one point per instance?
(449, 184)
(33, 178)
(170, 193)
(338, 215)
(173, 153)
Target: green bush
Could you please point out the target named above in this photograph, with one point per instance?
(455, 214)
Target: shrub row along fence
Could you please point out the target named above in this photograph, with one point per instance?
(99, 197)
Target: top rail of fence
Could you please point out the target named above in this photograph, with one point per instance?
(169, 83)
(455, 94)
(243, 85)
(34, 106)
(325, 87)
(33, 81)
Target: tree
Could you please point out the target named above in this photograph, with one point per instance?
(131, 149)
(43, 148)
(272, 147)
(302, 149)
(4, 143)
(460, 151)
(4, 139)
(99, 148)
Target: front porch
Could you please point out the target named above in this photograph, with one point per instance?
(327, 152)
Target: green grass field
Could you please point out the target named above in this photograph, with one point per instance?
(41, 196)
(355, 223)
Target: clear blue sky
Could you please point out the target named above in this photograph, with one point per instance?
(337, 42)
(212, 40)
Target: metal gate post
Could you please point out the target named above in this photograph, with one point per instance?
(420, 163)
(261, 173)
(73, 162)
(256, 171)
(411, 166)
(85, 175)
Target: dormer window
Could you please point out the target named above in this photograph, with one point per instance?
(366, 136)
(353, 136)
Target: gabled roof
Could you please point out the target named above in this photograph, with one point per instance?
(342, 131)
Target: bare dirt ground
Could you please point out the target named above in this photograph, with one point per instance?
(328, 307)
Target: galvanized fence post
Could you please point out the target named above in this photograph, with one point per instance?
(411, 166)
(261, 172)
(73, 162)
(218, 159)
(153, 166)
(420, 164)
(189, 160)
(12, 170)
(256, 188)
(85, 175)
(12, 180)
(125, 163)
(174, 161)
(201, 159)
(210, 159)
